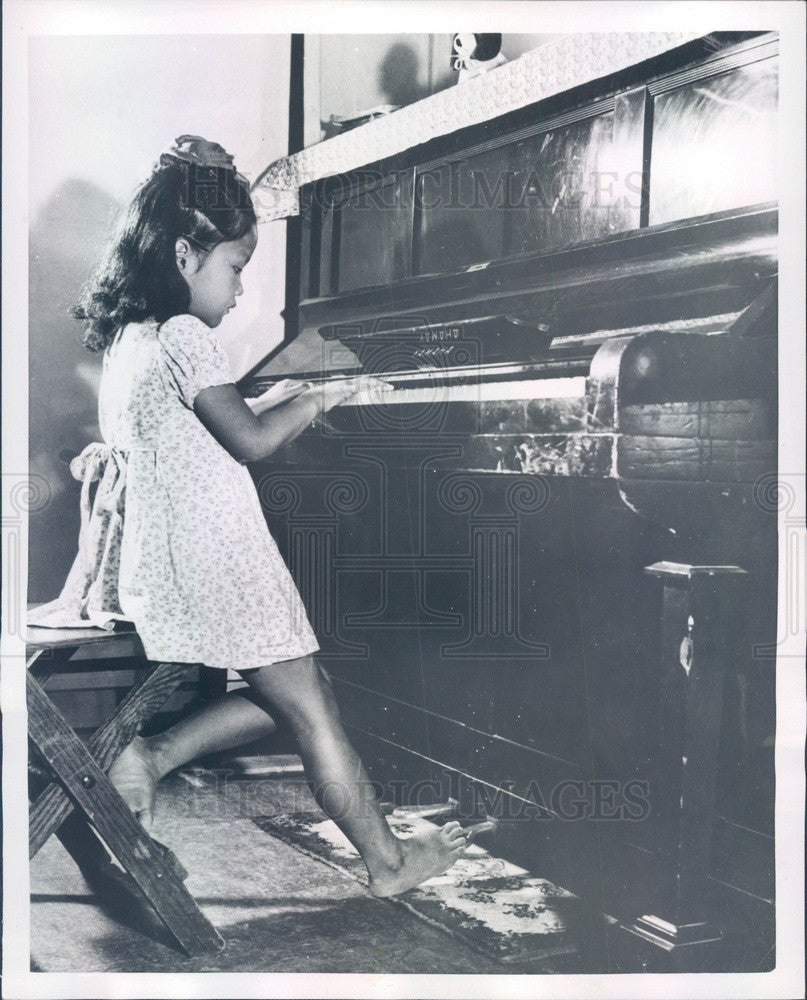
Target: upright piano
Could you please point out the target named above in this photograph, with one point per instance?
(542, 565)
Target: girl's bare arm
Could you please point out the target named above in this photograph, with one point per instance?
(249, 437)
(281, 392)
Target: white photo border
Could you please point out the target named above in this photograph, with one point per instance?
(25, 18)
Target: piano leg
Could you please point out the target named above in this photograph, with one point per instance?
(701, 642)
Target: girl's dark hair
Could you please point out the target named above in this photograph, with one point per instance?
(138, 277)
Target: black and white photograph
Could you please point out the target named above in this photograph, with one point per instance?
(403, 499)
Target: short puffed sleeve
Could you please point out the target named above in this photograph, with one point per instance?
(192, 357)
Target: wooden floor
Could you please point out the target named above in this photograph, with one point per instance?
(278, 910)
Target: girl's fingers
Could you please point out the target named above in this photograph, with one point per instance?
(289, 385)
(291, 388)
(339, 391)
(457, 834)
(369, 383)
(294, 390)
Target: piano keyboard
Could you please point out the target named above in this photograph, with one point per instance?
(554, 388)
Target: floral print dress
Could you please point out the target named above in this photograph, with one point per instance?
(174, 539)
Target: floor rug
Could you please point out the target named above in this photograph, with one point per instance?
(280, 912)
(497, 908)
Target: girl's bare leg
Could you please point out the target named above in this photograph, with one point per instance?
(298, 690)
(228, 722)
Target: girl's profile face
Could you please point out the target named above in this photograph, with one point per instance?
(214, 278)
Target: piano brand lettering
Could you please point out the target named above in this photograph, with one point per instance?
(439, 334)
(431, 352)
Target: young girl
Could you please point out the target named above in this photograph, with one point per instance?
(175, 539)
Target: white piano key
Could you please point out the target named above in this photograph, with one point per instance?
(551, 388)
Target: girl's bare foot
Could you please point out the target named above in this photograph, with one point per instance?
(135, 777)
(423, 855)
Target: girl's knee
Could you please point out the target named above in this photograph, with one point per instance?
(299, 689)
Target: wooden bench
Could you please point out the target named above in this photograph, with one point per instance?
(70, 791)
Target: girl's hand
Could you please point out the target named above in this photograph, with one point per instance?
(281, 392)
(330, 394)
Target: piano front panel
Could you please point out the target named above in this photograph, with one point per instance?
(482, 636)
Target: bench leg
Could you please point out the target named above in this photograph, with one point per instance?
(52, 806)
(92, 791)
